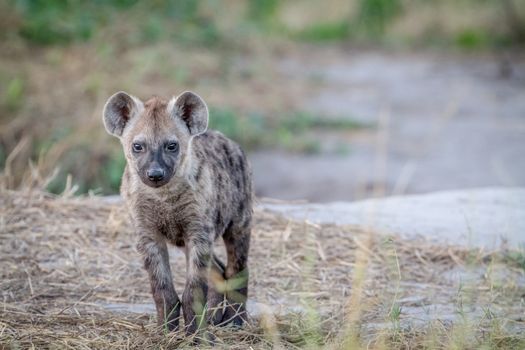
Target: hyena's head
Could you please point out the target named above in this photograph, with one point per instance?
(156, 134)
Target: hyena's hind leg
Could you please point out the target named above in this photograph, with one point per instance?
(216, 298)
(237, 243)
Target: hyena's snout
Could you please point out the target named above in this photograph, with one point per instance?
(155, 174)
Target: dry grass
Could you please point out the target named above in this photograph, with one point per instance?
(63, 259)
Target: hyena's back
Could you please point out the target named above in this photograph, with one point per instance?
(229, 175)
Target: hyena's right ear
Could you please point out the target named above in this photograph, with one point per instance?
(119, 110)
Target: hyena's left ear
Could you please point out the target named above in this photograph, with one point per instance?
(119, 110)
(193, 111)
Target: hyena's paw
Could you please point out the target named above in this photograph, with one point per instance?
(171, 321)
(234, 315)
(215, 312)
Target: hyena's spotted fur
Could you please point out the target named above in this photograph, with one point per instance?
(205, 194)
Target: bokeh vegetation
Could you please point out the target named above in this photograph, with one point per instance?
(209, 22)
(59, 60)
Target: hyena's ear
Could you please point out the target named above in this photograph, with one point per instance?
(193, 111)
(119, 110)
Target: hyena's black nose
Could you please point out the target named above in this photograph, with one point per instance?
(155, 174)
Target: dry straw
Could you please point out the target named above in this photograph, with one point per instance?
(65, 262)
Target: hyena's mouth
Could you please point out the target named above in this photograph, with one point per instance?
(155, 183)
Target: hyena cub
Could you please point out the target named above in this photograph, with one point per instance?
(188, 186)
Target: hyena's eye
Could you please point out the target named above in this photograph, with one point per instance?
(137, 147)
(172, 146)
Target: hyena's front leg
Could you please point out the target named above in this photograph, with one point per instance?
(156, 261)
(198, 262)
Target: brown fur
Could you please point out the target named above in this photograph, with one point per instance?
(207, 195)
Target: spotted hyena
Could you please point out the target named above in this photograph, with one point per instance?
(185, 185)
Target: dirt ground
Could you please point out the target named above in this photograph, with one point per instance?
(438, 122)
(71, 278)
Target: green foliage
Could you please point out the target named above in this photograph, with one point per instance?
(471, 39)
(395, 313)
(302, 121)
(60, 22)
(14, 94)
(56, 186)
(516, 258)
(3, 156)
(112, 171)
(152, 29)
(289, 132)
(248, 130)
(326, 31)
(372, 20)
(374, 15)
(56, 22)
(263, 10)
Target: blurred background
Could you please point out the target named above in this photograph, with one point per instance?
(332, 99)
